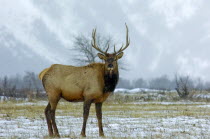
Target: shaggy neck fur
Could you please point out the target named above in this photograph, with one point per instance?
(110, 82)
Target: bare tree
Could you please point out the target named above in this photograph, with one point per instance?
(31, 83)
(183, 85)
(5, 83)
(84, 52)
(5, 86)
(207, 86)
(8, 89)
(87, 54)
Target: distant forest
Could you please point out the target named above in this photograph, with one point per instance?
(29, 86)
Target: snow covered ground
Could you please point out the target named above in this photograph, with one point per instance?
(135, 113)
(129, 120)
(114, 127)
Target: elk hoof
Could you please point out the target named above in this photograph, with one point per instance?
(82, 135)
(101, 135)
(57, 136)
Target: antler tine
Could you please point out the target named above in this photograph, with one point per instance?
(107, 48)
(93, 42)
(127, 41)
(114, 49)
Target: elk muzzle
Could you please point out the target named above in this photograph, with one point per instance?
(110, 70)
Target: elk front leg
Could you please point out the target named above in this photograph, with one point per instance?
(86, 109)
(98, 107)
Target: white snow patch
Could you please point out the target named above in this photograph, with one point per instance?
(170, 103)
(39, 103)
(138, 90)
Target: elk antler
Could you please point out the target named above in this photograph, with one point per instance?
(94, 45)
(127, 42)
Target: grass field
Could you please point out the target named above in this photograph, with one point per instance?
(152, 119)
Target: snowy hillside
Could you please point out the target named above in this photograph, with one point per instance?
(16, 56)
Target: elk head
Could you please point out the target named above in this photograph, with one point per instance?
(111, 65)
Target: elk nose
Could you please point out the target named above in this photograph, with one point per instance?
(110, 66)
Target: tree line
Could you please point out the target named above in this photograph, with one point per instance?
(25, 86)
(165, 83)
(182, 84)
(29, 86)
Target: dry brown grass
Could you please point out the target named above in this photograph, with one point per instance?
(35, 109)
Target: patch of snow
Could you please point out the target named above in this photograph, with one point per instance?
(40, 103)
(121, 90)
(203, 106)
(138, 90)
(204, 96)
(5, 98)
(170, 103)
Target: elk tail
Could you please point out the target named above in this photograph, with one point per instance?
(41, 74)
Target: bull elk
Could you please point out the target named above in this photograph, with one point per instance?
(89, 84)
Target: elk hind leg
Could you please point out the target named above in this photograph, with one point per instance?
(49, 119)
(52, 113)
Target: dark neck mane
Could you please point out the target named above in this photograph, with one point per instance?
(110, 82)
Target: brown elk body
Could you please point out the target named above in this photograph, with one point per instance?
(89, 84)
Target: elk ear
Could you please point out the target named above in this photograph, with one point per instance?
(119, 55)
(101, 56)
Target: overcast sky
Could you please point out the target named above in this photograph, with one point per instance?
(167, 37)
